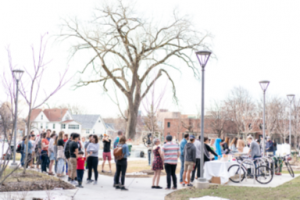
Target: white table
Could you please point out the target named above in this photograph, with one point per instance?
(218, 168)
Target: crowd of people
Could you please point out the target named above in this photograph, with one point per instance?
(73, 155)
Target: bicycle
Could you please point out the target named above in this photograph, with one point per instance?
(262, 173)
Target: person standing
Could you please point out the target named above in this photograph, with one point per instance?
(274, 147)
(85, 152)
(240, 145)
(149, 146)
(207, 150)
(189, 160)
(157, 164)
(60, 154)
(197, 144)
(117, 139)
(51, 153)
(32, 140)
(106, 152)
(48, 137)
(182, 145)
(73, 158)
(122, 165)
(66, 138)
(92, 153)
(218, 148)
(44, 152)
(171, 155)
(269, 146)
(80, 168)
(29, 153)
(225, 145)
(233, 145)
(67, 155)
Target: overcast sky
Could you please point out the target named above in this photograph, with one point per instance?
(252, 40)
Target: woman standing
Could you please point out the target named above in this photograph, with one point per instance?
(226, 145)
(240, 145)
(60, 154)
(233, 144)
(157, 164)
(92, 152)
(218, 148)
(44, 152)
(51, 153)
(208, 150)
(212, 143)
(122, 165)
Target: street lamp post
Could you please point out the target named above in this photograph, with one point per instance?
(264, 86)
(203, 57)
(17, 75)
(291, 100)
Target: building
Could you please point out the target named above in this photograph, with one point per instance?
(91, 124)
(55, 119)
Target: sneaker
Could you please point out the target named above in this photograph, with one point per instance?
(174, 188)
(183, 184)
(95, 182)
(118, 187)
(74, 183)
(153, 187)
(158, 187)
(189, 185)
(124, 189)
(89, 181)
(103, 171)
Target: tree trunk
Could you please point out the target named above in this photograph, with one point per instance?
(132, 120)
(28, 137)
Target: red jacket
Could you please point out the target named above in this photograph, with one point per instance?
(80, 163)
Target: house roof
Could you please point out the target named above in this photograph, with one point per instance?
(86, 121)
(55, 114)
(34, 114)
(109, 126)
(68, 121)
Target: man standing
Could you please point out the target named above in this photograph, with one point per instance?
(182, 145)
(73, 158)
(189, 160)
(269, 146)
(197, 144)
(106, 152)
(48, 135)
(117, 139)
(33, 142)
(67, 155)
(171, 154)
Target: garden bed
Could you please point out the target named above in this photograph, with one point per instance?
(32, 181)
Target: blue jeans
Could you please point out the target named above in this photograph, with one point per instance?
(80, 173)
(60, 165)
(22, 158)
(182, 167)
(45, 159)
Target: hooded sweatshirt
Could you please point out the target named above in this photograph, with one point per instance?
(190, 153)
(218, 148)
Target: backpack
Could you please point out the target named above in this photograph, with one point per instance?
(67, 149)
(118, 153)
(19, 148)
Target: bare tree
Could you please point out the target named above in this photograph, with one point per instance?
(75, 109)
(31, 83)
(218, 119)
(241, 109)
(129, 48)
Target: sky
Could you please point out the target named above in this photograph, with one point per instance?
(251, 41)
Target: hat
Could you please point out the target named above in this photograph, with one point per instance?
(192, 137)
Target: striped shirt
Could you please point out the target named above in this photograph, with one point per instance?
(170, 150)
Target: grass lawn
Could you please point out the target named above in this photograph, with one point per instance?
(287, 191)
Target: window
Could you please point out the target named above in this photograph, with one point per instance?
(63, 126)
(73, 126)
(41, 126)
(41, 117)
(87, 130)
(46, 126)
(53, 126)
(99, 121)
(93, 131)
(169, 124)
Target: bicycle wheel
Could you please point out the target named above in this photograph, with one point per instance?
(237, 173)
(263, 174)
(290, 169)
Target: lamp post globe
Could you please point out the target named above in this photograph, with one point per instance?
(203, 57)
(17, 74)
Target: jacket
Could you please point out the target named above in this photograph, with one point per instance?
(182, 145)
(190, 153)
(269, 146)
